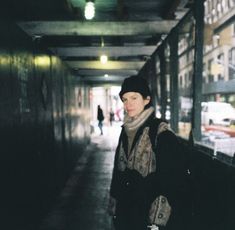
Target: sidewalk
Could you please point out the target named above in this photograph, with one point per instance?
(83, 202)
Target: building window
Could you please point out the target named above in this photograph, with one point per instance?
(223, 5)
(210, 75)
(230, 3)
(220, 77)
(181, 81)
(211, 78)
(204, 73)
(186, 79)
(220, 58)
(231, 63)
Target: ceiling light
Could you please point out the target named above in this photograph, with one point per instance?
(89, 10)
(42, 60)
(103, 59)
(106, 75)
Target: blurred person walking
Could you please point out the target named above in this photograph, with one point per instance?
(111, 116)
(100, 118)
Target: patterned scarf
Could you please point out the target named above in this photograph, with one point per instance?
(131, 124)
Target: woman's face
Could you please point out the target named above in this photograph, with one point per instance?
(134, 103)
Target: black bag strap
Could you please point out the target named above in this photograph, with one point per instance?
(153, 131)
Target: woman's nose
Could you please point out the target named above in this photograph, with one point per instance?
(128, 103)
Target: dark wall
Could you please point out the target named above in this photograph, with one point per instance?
(213, 190)
(39, 116)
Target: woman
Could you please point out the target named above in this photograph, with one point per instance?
(147, 174)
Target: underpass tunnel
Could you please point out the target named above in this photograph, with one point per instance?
(55, 166)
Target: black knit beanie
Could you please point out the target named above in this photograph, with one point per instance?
(135, 84)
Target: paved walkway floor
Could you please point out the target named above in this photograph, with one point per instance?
(82, 204)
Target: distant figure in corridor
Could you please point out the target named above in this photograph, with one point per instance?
(118, 114)
(100, 118)
(148, 171)
(111, 117)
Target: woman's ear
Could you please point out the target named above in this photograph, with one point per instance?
(147, 100)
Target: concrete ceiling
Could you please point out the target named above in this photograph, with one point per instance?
(128, 31)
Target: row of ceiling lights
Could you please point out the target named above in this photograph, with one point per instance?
(89, 14)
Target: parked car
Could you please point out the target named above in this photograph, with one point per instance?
(232, 124)
(217, 113)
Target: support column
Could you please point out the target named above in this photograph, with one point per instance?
(198, 69)
(174, 69)
(163, 99)
(151, 72)
(154, 80)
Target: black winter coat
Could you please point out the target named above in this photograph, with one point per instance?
(135, 191)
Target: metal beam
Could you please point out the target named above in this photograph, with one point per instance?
(106, 28)
(103, 79)
(110, 51)
(101, 72)
(110, 65)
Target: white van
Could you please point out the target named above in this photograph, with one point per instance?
(217, 113)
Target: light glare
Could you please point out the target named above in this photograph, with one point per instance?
(89, 10)
(42, 60)
(103, 59)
